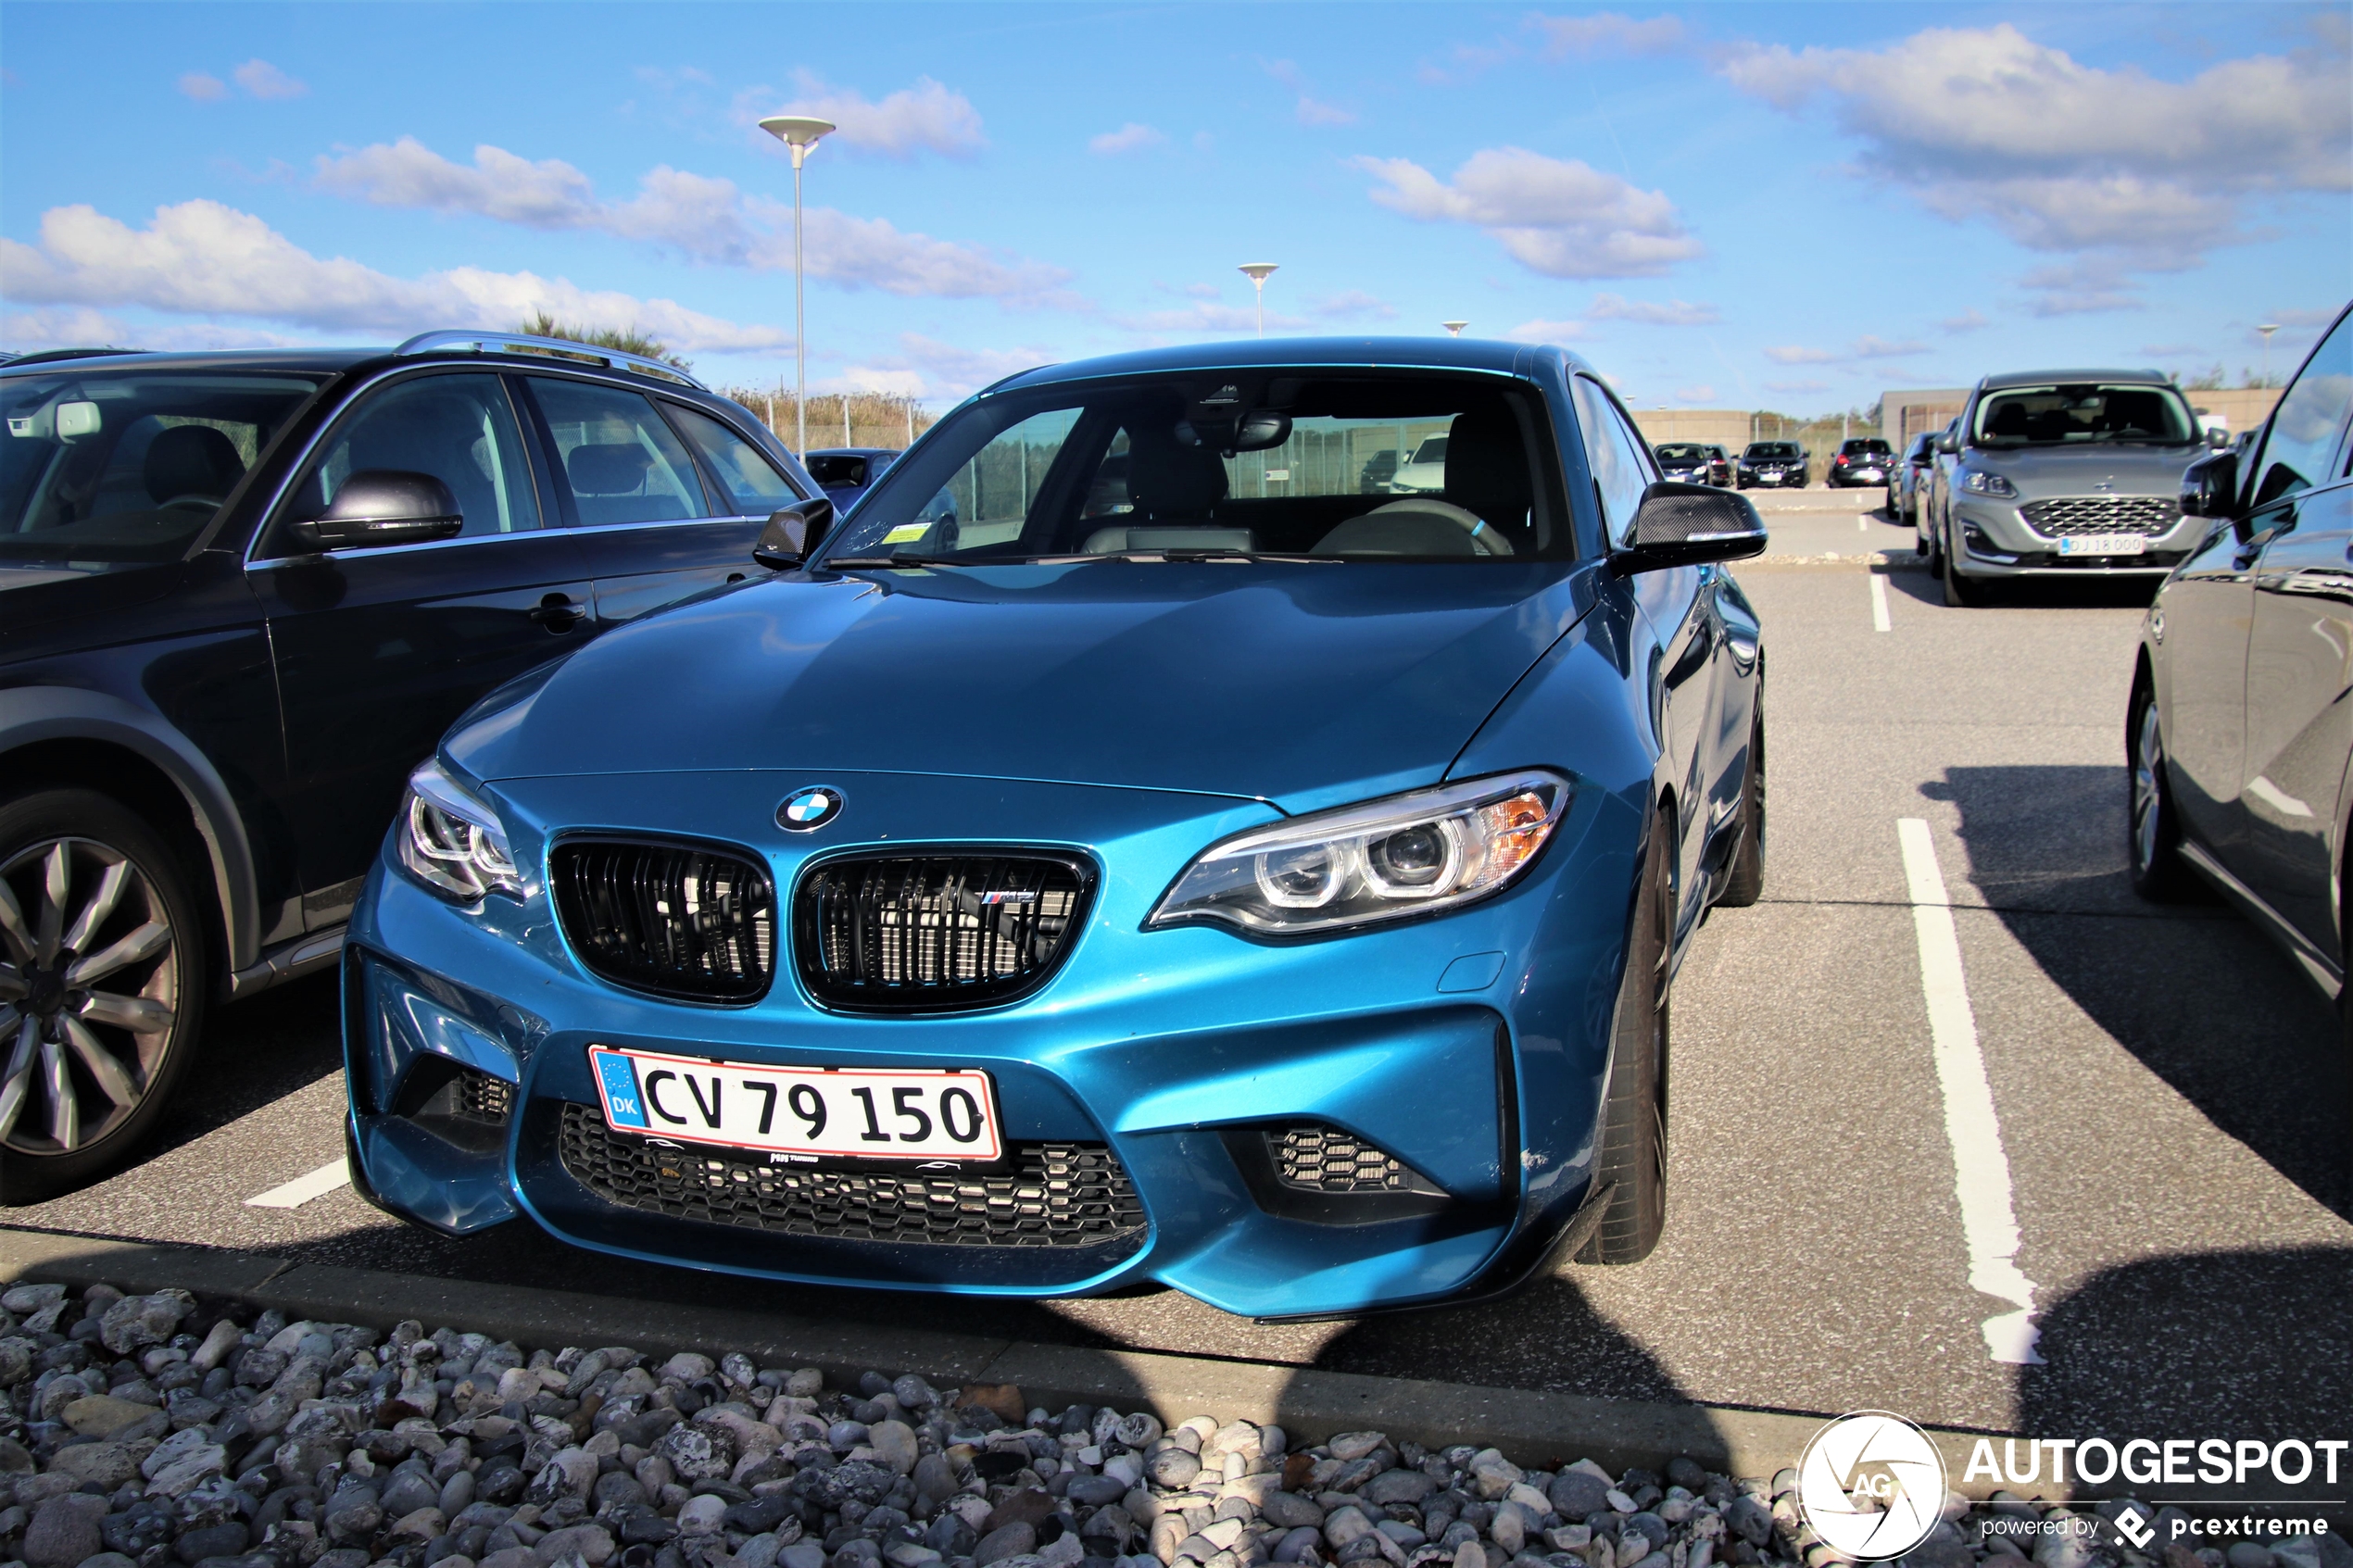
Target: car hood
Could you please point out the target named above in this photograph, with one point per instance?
(2083, 469)
(1306, 684)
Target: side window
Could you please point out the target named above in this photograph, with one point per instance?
(755, 488)
(460, 429)
(621, 460)
(2301, 443)
(1620, 474)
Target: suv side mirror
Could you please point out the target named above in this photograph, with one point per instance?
(2218, 436)
(793, 532)
(2211, 485)
(1948, 445)
(378, 507)
(1688, 524)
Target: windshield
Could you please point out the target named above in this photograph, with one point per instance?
(1681, 453)
(1774, 450)
(2076, 413)
(129, 465)
(1224, 464)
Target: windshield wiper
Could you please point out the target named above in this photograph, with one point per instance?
(869, 562)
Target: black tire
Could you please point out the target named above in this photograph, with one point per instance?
(1633, 1152)
(2152, 828)
(1744, 877)
(69, 1053)
(1926, 546)
(1960, 591)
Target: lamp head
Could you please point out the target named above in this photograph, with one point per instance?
(1455, 328)
(1257, 270)
(799, 131)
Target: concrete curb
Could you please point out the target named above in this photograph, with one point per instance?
(1533, 1428)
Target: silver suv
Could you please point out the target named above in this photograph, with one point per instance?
(2062, 473)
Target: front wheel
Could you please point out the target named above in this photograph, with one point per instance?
(1960, 591)
(101, 987)
(2153, 831)
(1632, 1158)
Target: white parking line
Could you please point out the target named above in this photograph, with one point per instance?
(302, 1189)
(1980, 1170)
(1862, 522)
(1879, 603)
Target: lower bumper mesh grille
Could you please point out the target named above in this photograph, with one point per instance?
(1326, 1159)
(1055, 1195)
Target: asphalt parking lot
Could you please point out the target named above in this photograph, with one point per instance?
(2153, 1097)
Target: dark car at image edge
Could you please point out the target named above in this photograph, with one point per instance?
(240, 594)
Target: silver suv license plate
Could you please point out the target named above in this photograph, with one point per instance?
(2104, 545)
(847, 1112)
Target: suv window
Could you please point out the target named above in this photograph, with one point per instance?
(2303, 431)
(621, 462)
(2079, 412)
(460, 429)
(755, 487)
(1873, 443)
(129, 466)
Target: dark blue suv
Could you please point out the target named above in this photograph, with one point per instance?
(241, 596)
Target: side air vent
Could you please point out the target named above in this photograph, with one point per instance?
(695, 921)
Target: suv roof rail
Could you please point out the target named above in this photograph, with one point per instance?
(454, 342)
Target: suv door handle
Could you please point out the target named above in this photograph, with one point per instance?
(558, 612)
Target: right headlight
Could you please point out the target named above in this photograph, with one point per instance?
(452, 841)
(1407, 855)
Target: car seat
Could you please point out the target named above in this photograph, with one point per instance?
(191, 460)
(1487, 500)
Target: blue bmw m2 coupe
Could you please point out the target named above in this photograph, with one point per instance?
(1133, 847)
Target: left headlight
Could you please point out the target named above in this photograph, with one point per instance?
(452, 841)
(1408, 855)
(1977, 481)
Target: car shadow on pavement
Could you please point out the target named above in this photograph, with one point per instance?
(254, 1053)
(2197, 993)
(2253, 1344)
(2032, 593)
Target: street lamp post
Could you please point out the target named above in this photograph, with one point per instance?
(2266, 328)
(799, 132)
(1256, 272)
(1453, 329)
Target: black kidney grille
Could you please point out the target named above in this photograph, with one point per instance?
(1055, 1194)
(688, 921)
(910, 933)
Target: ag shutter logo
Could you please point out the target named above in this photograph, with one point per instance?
(810, 808)
(1871, 1484)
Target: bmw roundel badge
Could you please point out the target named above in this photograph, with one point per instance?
(810, 808)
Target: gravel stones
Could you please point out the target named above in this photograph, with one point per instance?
(64, 1530)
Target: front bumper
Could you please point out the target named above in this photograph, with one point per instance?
(1993, 538)
(1470, 1048)
(1793, 478)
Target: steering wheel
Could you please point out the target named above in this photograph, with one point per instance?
(208, 502)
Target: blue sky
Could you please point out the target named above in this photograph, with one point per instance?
(1735, 206)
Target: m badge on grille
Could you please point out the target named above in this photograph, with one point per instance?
(810, 808)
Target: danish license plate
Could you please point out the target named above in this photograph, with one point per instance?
(2104, 545)
(849, 1113)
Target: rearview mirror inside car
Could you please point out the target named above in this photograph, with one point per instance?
(377, 507)
(1687, 524)
(793, 532)
(2211, 485)
(77, 420)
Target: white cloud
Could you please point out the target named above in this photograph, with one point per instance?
(924, 366)
(1542, 331)
(1864, 348)
(203, 88)
(1674, 313)
(1792, 355)
(705, 219)
(79, 326)
(1561, 218)
(1606, 31)
(1314, 111)
(927, 117)
(265, 81)
(1870, 347)
(1701, 394)
(202, 258)
(1129, 138)
(1797, 386)
(1205, 317)
(1353, 305)
(1966, 321)
(1987, 124)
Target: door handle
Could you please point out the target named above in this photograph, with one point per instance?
(558, 612)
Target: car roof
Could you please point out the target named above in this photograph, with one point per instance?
(2050, 378)
(1251, 354)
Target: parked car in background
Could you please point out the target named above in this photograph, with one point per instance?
(1777, 464)
(2064, 472)
(1905, 481)
(241, 594)
(1379, 469)
(1860, 460)
(1238, 924)
(1936, 485)
(846, 473)
(2238, 735)
(1719, 465)
(1424, 472)
(1686, 463)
